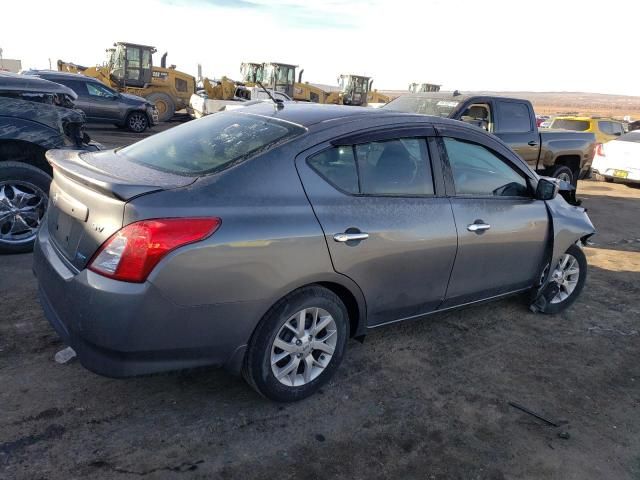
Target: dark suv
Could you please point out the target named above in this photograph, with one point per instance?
(102, 104)
(35, 115)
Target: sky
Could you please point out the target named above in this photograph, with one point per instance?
(502, 45)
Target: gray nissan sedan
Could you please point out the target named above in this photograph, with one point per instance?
(262, 239)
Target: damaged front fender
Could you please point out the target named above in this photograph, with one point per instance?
(569, 224)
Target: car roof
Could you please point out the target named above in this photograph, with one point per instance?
(14, 82)
(307, 114)
(54, 74)
(455, 96)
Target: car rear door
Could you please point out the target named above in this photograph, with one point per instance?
(516, 125)
(83, 102)
(502, 229)
(386, 223)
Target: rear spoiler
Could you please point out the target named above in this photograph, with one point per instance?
(70, 164)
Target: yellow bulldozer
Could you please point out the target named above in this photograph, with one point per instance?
(129, 68)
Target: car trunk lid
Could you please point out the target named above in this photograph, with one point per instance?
(88, 196)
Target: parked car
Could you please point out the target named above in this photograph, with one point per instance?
(263, 238)
(564, 155)
(605, 129)
(619, 159)
(540, 119)
(35, 115)
(102, 104)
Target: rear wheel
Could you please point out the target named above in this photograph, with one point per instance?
(164, 104)
(564, 173)
(137, 122)
(23, 203)
(298, 345)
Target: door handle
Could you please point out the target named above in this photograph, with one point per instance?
(532, 143)
(349, 237)
(478, 227)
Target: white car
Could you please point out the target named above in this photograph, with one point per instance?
(619, 159)
(200, 105)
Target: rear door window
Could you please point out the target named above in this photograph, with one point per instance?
(513, 117)
(398, 167)
(337, 165)
(478, 171)
(395, 167)
(210, 144)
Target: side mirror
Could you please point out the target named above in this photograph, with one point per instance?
(546, 189)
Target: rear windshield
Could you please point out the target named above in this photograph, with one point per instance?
(630, 137)
(575, 125)
(211, 144)
(440, 107)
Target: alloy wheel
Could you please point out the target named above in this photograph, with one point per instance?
(22, 207)
(566, 276)
(137, 122)
(304, 346)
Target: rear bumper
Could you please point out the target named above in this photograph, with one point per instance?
(633, 175)
(120, 329)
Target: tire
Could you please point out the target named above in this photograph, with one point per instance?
(301, 381)
(137, 122)
(554, 306)
(562, 171)
(32, 184)
(164, 104)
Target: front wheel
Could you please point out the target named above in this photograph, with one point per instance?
(298, 345)
(23, 201)
(567, 280)
(137, 122)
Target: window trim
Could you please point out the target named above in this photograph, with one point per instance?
(449, 180)
(340, 143)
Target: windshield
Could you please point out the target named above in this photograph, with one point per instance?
(630, 137)
(568, 124)
(425, 105)
(211, 144)
(117, 61)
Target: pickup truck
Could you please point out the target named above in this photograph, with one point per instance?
(555, 153)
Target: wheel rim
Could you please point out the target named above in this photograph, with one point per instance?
(22, 207)
(566, 276)
(137, 122)
(565, 177)
(304, 347)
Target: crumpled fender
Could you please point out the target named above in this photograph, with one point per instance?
(569, 224)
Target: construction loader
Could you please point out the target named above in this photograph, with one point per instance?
(129, 68)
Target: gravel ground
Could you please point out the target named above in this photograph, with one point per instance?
(425, 399)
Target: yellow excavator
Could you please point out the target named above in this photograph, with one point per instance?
(352, 89)
(129, 68)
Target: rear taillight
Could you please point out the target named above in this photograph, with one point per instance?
(131, 253)
(600, 150)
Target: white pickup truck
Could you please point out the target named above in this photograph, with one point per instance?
(200, 104)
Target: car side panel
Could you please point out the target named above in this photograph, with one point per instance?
(269, 236)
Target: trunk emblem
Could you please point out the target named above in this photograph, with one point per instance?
(97, 228)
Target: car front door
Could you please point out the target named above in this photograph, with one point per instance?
(104, 103)
(515, 125)
(502, 230)
(386, 221)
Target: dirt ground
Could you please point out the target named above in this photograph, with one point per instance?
(425, 399)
